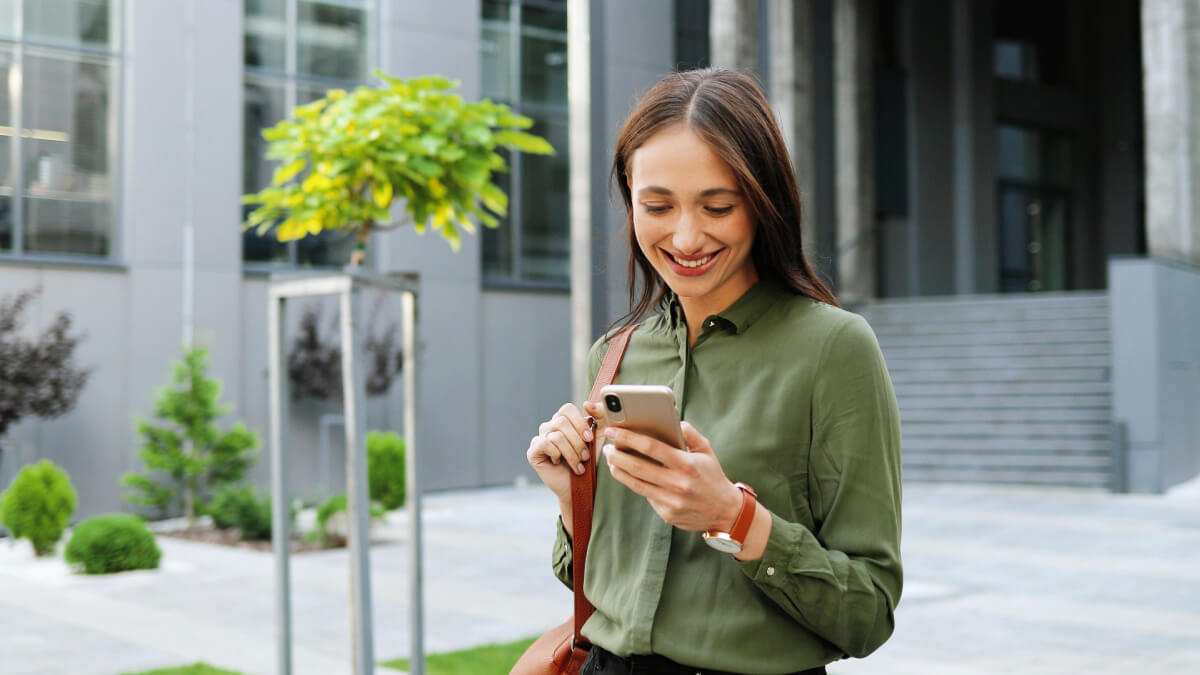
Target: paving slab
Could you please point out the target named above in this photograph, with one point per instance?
(998, 580)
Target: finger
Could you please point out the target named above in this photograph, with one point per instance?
(568, 452)
(696, 442)
(577, 421)
(573, 432)
(598, 412)
(541, 452)
(648, 446)
(667, 480)
(626, 478)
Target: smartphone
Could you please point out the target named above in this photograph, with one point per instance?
(646, 409)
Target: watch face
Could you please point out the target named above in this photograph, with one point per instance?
(723, 543)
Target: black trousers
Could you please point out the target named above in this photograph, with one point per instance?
(603, 662)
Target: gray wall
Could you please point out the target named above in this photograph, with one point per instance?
(1156, 369)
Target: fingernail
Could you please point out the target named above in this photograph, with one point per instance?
(579, 469)
(587, 435)
(611, 432)
(585, 455)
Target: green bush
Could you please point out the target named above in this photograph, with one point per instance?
(113, 543)
(333, 506)
(385, 468)
(242, 508)
(38, 505)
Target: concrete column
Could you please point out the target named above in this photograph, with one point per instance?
(733, 26)
(791, 69)
(853, 26)
(1171, 86)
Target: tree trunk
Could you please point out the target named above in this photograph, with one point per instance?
(189, 502)
(361, 236)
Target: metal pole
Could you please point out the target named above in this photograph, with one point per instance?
(357, 497)
(579, 103)
(280, 510)
(189, 160)
(416, 658)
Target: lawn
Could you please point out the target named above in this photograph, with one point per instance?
(485, 660)
(194, 669)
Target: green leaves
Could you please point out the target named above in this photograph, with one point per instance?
(347, 158)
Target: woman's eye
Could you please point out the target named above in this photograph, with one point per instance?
(655, 209)
(719, 211)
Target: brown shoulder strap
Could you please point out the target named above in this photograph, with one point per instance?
(583, 488)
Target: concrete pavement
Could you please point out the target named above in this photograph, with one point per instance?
(998, 580)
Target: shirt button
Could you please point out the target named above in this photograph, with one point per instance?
(712, 324)
(770, 571)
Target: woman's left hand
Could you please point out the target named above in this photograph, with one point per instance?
(689, 490)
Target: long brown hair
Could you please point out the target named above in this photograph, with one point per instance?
(729, 111)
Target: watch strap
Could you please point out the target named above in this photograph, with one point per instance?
(745, 518)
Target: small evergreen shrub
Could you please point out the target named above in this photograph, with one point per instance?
(38, 505)
(385, 468)
(332, 522)
(241, 508)
(112, 543)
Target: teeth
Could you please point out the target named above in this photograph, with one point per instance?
(694, 263)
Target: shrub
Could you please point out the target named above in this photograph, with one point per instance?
(113, 543)
(332, 525)
(385, 468)
(38, 505)
(242, 508)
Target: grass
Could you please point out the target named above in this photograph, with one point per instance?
(485, 660)
(194, 669)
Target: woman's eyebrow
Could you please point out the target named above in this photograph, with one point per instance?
(710, 192)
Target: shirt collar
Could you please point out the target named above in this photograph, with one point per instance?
(742, 313)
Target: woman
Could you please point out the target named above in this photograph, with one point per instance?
(780, 389)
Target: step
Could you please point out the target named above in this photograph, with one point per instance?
(904, 374)
(1006, 445)
(911, 414)
(1052, 429)
(1030, 389)
(1014, 476)
(946, 460)
(1064, 300)
(999, 313)
(895, 352)
(999, 337)
(883, 329)
(1102, 401)
(998, 362)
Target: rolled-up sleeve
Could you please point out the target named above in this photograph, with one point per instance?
(843, 580)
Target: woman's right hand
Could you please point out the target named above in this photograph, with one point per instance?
(561, 448)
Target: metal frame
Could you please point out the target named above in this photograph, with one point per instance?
(347, 285)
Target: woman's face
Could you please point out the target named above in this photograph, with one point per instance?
(690, 219)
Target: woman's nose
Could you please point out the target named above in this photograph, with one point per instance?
(689, 235)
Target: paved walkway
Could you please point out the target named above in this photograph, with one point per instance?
(999, 580)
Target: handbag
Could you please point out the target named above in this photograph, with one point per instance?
(563, 649)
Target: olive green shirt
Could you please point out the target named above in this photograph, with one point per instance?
(796, 400)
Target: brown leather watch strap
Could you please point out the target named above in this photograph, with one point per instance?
(745, 518)
(583, 488)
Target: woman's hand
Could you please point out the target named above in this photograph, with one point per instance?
(689, 490)
(559, 449)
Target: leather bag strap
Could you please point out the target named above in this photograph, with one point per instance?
(583, 488)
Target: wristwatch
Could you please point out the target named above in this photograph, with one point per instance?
(733, 540)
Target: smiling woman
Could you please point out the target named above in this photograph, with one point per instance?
(689, 568)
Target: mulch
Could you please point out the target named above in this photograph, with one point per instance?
(231, 537)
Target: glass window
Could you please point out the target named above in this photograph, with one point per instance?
(526, 68)
(58, 191)
(1032, 155)
(83, 23)
(265, 24)
(330, 49)
(330, 40)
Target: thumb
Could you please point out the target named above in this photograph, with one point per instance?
(696, 442)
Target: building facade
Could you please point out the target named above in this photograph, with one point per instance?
(956, 148)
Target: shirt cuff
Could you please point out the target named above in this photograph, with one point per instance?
(562, 556)
(791, 549)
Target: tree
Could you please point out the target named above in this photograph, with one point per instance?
(187, 455)
(348, 155)
(37, 377)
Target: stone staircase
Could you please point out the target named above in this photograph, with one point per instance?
(1001, 389)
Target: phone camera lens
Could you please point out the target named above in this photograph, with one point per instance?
(613, 402)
